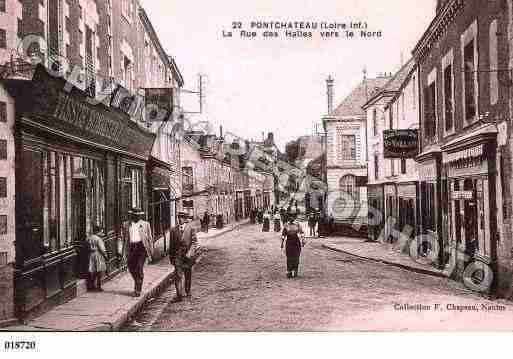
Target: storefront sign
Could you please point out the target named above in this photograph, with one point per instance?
(457, 195)
(400, 143)
(72, 113)
(427, 171)
(159, 103)
(466, 154)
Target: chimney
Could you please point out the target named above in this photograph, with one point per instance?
(329, 85)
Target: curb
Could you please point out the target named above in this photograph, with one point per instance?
(392, 264)
(224, 232)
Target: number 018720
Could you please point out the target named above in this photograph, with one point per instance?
(14, 345)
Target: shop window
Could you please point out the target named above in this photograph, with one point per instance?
(160, 212)
(3, 111)
(3, 258)
(429, 207)
(132, 189)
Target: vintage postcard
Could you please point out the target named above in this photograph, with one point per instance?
(255, 166)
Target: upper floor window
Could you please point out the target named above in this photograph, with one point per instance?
(448, 95)
(348, 147)
(391, 117)
(430, 108)
(470, 89)
(2, 6)
(127, 9)
(375, 122)
(376, 166)
(3, 39)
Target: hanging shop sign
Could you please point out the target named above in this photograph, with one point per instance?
(400, 143)
(73, 114)
(158, 103)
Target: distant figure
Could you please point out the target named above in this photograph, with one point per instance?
(277, 222)
(260, 216)
(266, 227)
(97, 259)
(331, 224)
(205, 222)
(293, 234)
(311, 224)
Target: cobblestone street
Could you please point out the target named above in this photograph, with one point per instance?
(240, 285)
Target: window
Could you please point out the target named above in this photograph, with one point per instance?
(3, 224)
(375, 122)
(414, 92)
(348, 186)
(403, 166)
(494, 63)
(20, 28)
(448, 93)
(3, 111)
(127, 73)
(430, 109)
(187, 179)
(376, 166)
(2, 6)
(3, 187)
(3, 39)
(470, 89)
(348, 147)
(391, 117)
(3, 149)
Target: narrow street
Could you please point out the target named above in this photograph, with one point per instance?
(240, 285)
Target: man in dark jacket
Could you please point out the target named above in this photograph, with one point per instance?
(182, 250)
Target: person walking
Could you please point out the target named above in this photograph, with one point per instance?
(183, 251)
(97, 259)
(138, 246)
(206, 221)
(266, 227)
(294, 237)
(277, 222)
(311, 224)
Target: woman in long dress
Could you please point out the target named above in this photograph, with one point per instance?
(97, 259)
(293, 235)
(277, 222)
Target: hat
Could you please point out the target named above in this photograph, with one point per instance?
(136, 211)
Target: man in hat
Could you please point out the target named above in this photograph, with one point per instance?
(182, 251)
(138, 245)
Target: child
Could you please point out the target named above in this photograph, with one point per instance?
(97, 259)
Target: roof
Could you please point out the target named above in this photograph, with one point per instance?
(352, 104)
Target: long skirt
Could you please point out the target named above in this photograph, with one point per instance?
(97, 263)
(293, 251)
(277, 225)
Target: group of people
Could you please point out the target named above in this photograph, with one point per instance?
(136, 247)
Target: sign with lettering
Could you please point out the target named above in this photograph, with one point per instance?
(400, 143)
(74, 114)
(457, 195)
(158, 103)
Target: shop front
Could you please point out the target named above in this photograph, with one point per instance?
(376, 211)
(161, 206)
(472, 215)
(407, 207)
(78, 166)
(430, 204)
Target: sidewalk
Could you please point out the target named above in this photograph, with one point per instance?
(109, 310)
(379, 252)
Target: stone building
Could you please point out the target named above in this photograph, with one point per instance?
(465, 161)
(347, 155)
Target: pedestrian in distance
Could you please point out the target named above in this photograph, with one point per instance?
(266, 227)
(97, 259)
(311, 224)
(183, 252)
(277, 222)
(293, 237)
(138, 246)
(206, 221)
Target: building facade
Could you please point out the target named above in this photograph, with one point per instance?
(346, 155)
(464, 164)
(392, 182)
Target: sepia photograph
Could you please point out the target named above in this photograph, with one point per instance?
(258, 166)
